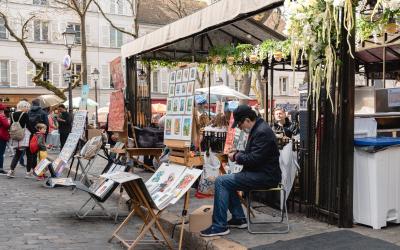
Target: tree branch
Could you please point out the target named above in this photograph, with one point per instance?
(111, 23)
(65, 4)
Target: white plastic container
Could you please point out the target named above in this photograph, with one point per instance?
(376, 194)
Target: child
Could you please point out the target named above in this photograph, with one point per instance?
(41, 147)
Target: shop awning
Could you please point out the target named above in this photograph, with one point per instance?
(221, 23)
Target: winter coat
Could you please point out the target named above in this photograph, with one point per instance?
(4, 126)
(261, 153)
(38, 115)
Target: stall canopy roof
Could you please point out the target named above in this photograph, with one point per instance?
(221, 23)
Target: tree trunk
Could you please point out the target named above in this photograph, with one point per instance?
(83, 48)
(245, 87)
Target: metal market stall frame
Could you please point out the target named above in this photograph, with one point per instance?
(327, 151)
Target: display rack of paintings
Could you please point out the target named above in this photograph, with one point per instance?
(180, 105)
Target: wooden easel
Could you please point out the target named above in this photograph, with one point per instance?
(152, 217)
(180, 154)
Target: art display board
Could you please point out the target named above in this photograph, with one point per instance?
(180, 105)
(67, 152)
(236, 139)
(116, 115)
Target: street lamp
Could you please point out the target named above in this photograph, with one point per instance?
(69, 41)
(95, 76)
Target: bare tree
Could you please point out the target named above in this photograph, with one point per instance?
(40, 70)
(178, 7)
(80, 8)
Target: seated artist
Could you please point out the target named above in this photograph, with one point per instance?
(260, 162)
(282, 125)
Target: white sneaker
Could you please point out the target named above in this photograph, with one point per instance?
(29, 175)
(11, 174)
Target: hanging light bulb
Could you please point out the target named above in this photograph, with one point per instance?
(391, 26)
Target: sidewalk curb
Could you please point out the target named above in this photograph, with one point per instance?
(190, 240)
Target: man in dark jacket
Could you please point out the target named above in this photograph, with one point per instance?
(260, 161)
(64, 124)
(282, 125)
(36, 115)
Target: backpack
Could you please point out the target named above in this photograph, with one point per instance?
(34, 144)
(17, 132)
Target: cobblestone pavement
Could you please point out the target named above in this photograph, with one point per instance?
(35, 217)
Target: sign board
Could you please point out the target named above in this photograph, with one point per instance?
(394, 97)
(67, 62)
(116, 114)
(117, 75)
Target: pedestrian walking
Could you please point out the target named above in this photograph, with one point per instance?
(36, 115)
(64, 124)
(4, 135)
(19, 123)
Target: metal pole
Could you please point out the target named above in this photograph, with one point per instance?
(95, 97)
(70, 108)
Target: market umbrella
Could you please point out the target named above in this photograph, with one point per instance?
(76, 101)
(102, 113)
(49, 100)
(158, 108)
(223, 90)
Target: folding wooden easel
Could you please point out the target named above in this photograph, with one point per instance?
(150, 217)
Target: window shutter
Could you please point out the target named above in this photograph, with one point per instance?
(61, 28)
(87, 30)
(30, 71)
(13, 73)
(56, 74)
(120, 7)
(105, 77)
(105, 39)
(164, 81)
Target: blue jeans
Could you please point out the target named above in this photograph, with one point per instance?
(3, 145)
(226, 197)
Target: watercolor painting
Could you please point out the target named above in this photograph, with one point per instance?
(187, 127)
(175, 106)
(171, 91)
(178, 76)
(178, 89)
(168, 126)
(189, 105)
(177, 126)
(182, 104)
(169, 105)
(184, 88)
(192, 74)
(190, 88)
(172, 77)
(185, 76)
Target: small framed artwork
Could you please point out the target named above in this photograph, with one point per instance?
(169, 105)
(189, 105)
(168, 127)
(190, 88)
(177, 131)
(185, 76)
(184, 88)
(172, 77)
(175, 106)
(182, 105)
(192, 74)
(187, 128)
(171, 91)
(178, 76)
(178, 89)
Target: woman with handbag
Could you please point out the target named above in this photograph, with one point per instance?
(20, 116)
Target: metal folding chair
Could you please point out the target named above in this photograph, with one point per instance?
(282, 219)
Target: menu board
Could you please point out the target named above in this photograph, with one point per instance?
(180, 104)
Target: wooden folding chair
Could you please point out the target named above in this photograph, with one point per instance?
(150, 217)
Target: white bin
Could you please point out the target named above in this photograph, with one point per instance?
(376, 191)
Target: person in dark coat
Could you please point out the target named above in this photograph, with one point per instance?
(20, 115)
(260, 161)
(36, 115)
(64, 124)
(282, 124)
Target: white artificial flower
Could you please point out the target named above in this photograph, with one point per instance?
(338, 3)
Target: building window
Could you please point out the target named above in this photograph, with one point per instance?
(155, 82)
(40, 2)
(77, 29)
(117, 7)
(4, 80)
(76, 69)
(46, 73)
(283, 80)
(115, 38)
(41, 30)
(3, 30)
